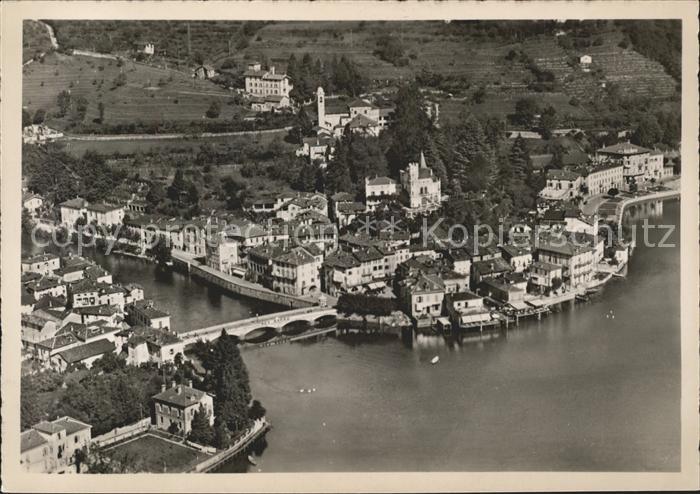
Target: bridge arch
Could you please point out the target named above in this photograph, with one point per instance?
(260, 334)
(325, 320)
(295, 327)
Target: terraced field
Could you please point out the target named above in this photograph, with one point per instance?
(481, 61)
(149, 95)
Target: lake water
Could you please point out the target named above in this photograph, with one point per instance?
(578, 390)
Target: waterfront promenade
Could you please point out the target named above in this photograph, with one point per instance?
(240, 286)
(260, 427)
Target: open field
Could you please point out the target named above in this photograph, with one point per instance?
(149, 95)
(208, 37)
(154, 454)
(501, 104)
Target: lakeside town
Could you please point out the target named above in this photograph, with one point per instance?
(374, 212)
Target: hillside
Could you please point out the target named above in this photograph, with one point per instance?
(149, 94)
(505, 61)
(35, 40)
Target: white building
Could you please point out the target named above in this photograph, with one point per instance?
(153, 345)
(360, 115)
(44, 264)
(143, 312)
(102, 214)
(604, 177)
(32, 203)
(175, 407)
(378, 189)
(640, 165)
(50, 447)
(561, 185)
(222, 252)
(421, 188)
(259, 82)
(35, 134)
(585, 62)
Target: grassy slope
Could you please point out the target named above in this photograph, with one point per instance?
(428, 46)
(140, 99)
(35, 39)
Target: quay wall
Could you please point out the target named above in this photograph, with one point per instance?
(260, 427)
(242, 287)
(657, 196)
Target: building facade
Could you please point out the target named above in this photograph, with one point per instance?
(259, 82)
(420, 188)
(175, 407)
(50, 447)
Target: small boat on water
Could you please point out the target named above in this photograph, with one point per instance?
(435, 360)
(251, 459)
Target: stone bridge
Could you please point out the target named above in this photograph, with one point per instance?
(263, 327)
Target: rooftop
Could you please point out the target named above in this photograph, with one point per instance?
(376, 181)
(180, 396)
(39, 258)
(76, 203)
(562, 175)
(92, 349)
(624, 149)
(153, 336)
(464, 296)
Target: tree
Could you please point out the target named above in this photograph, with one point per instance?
(234, 193)
(479, 95)
(337, 173)
(101, 111)
(648, 132)
(26, 118)
(556, 283)
(27, 221)
(81, 106)
(80, 458)
(120, 80)
(155, 196)
(39, 116)
(222, 436)
(306, 181)
(389, 49)
(178, 186)
(231, 384)
(63, 100)
(548, 122)
(433, 157)
(161, 251)
(201, 431)
(256, 411)
(30, 412)
(525, 111)
(409, 129)
(613, 192)
(192, 193)
(214, 110)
